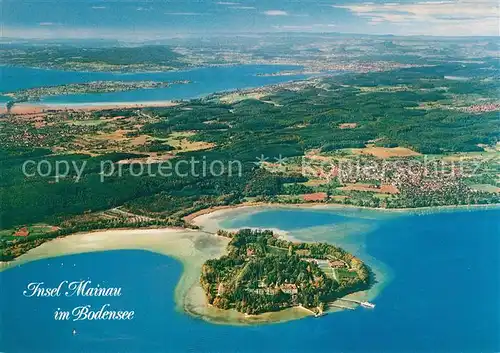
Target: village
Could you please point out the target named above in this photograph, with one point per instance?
(360, 178)
(333, 268)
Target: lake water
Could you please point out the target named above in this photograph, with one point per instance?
(204, 81)
(442, 295)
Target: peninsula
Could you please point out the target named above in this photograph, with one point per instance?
(35, 94)
(307, 276)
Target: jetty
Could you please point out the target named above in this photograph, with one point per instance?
(364, 304)
(341, 306)
(350, 300)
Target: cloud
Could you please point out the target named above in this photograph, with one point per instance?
(275, 13)
(184, 13)
(98, 7)
(293, 28)
(242, 7)
(458, 17)
(235, 5)
(427, 9)
(316, 27)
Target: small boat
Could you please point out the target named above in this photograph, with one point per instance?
(74, 332)
(368, 305)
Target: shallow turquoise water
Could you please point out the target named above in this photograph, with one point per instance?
(204, 81)
(443, 295)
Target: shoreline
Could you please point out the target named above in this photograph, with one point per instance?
(192, 248)
(191, 218)
(40, 108)
(155, 71)
(33, 108)
(212, 218)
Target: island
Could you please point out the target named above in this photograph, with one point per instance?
(263, 273)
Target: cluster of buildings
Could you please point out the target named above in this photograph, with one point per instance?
(22, 232)
(399, 174)
(333, 263)
(287, 288)
(32, 132)
(291, 288)
(482, 108)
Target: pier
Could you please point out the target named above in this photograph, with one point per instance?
(341, 306)
(350, 300)
(365, 304)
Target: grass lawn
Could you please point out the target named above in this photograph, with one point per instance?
(345, 273)
(276, 250)
(327, 270)
(485, 187)
(382, 196)
(6, 232)
(36, 229)
(86, 122)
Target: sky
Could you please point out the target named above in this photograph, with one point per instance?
(150, 19)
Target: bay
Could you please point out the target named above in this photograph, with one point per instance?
(441, 295)
(204, 81)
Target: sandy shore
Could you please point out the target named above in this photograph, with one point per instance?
(174, 242)
(191, 248)
(31, 109)
(204, 218)
(189, 218)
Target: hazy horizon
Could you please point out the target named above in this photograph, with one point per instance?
(139, 20)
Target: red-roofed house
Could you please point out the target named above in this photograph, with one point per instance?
(289, 288)
(318, 196)
(22, 232)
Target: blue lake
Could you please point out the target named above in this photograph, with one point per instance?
(204, 81)
(443, 295)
